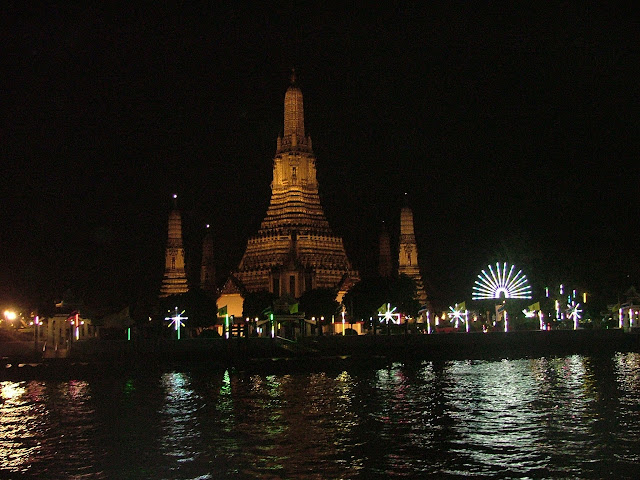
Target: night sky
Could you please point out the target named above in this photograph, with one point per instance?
(513, 131)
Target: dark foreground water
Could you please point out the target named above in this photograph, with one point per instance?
(571, 417)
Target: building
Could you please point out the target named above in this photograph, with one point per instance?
(295, 249)
(385, 267)
(174, 281)
(629, 311)
(207, 265)
(63, 329)
(408, 254)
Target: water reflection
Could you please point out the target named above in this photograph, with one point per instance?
(411, 420)
(180, 443)
(16, 441)
(627, 369)
(494, 420)
(296, 426)
(46, 425)
(71, 421)
(628, 374)
(569, 417)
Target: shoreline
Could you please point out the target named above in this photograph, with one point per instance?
(317, 352)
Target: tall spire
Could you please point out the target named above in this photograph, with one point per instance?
(293, 113)
(207, 266)
(295, 249)
(175, 277)
(408, 254)
(384, 261)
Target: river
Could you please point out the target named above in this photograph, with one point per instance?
(550, 417)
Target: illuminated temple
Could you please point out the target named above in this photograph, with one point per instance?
(408, 253)
(174, 281)
(295, 250)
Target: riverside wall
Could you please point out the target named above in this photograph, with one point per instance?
(392, 347)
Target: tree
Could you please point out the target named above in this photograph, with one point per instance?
(402, 293)
(256, 302)
(369, 294)
(198, 306)
(320, 302)
(365, 297)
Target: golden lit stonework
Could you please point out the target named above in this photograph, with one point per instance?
(408, 254)
(295, 249)
(174, 281)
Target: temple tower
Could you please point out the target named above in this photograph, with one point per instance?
(175, 277)
(207, 266)
(384, 261)
(294, 249)
(408, 254)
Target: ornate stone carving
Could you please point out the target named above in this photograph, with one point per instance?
(408, 255)
(295, 249)
(175, 278)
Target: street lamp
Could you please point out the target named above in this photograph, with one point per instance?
(10, 315)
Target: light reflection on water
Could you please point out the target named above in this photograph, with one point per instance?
(46, 427)
(568, 417)
(180, 441)
(16, 441)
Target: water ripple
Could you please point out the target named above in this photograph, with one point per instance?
(566, 417)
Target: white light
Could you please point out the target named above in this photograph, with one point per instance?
(574, 313)
(456, 315)
(501, 283)
(459, 314)
(176, 321)
(389, 315)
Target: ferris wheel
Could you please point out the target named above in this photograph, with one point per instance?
(501, 283)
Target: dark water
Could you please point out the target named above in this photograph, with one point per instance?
(571, 417)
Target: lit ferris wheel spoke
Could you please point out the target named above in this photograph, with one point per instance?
(501, 283)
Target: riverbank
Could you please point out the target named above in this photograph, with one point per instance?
(456, 346)
(460, 346)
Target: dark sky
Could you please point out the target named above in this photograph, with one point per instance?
(514, 131)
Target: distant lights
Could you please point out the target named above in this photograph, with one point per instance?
(501, 283)
(458, 314)
(387, 314)
(176, 321)
(574, 312)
